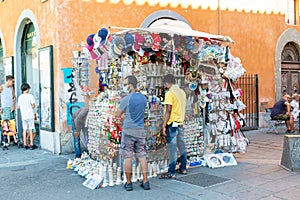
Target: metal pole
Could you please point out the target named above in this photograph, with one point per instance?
(256, 99)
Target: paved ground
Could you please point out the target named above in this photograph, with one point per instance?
(39, 174)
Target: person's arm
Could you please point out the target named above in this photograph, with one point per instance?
(18, 103)
(288, 108)
(14, 99)
(119, 116)
(32, 101)
(121, 110)
(167, 117)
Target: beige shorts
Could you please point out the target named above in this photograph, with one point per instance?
(28, 124)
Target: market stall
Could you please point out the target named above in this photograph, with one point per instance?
(204, 68)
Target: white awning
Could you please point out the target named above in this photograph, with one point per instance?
(175, 27)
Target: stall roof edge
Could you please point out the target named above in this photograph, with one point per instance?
(173, 30)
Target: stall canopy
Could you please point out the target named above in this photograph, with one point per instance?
(177, 27)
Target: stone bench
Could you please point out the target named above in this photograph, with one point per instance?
(290, 159)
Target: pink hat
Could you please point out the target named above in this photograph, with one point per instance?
(156, 42)
(138, 42)
(92, 54)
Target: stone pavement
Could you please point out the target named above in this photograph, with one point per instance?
(39, 174)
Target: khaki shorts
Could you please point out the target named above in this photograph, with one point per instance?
(284, 117)
(130, 145)
(28, 124)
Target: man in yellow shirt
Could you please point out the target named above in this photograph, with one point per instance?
(175, 105)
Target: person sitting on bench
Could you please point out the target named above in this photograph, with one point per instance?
(282, 111)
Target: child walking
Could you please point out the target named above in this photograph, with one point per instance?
(26, 104)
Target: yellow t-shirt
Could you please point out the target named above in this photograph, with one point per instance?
(177, 98)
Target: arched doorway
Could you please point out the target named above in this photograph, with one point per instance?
(30, 68)
(160, 15)
(290, 69)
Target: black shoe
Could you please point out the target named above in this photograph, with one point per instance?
(128, 186)
(34, 146)
(146, 185)
(26, 147)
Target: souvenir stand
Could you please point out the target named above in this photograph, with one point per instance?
(204, 68)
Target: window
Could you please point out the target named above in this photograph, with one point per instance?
(291, 12)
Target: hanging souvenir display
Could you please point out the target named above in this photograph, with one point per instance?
(202, 66)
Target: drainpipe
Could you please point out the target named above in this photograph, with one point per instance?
(219, 18)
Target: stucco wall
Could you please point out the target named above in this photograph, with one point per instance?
(66, 23)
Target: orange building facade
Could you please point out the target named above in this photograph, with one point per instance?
(266, 38)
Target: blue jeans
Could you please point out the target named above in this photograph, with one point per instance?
(175, 138)
(77, 148)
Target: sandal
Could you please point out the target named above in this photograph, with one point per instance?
(180, 171)
(167, 176)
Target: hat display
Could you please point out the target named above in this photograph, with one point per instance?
(156, 42)
(190, 43)
(96, 40)
(89, 50)
(118, 45)
(165, 40)
(129, 40)
(148, 41)
(138, 42)
(103, 33)
(90, 40)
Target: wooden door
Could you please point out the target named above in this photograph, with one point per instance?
(290, 69)
(290, 72)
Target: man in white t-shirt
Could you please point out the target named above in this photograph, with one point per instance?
(26, 104)
(295, 106)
